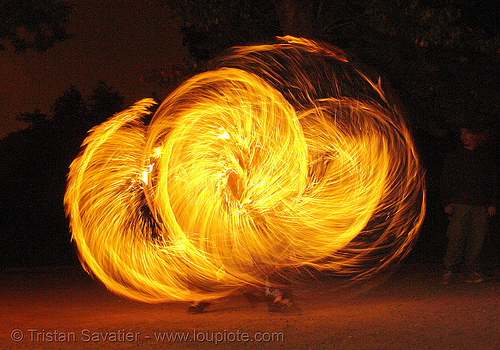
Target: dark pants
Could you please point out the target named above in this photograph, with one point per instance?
(466, 231)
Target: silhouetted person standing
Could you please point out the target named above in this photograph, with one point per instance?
(468, 187)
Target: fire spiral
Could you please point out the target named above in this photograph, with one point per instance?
(282, 158)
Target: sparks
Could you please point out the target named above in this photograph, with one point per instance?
(284, 157)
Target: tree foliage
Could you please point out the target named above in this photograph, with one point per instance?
(71, 111)
(33, 24)
(103, 102)
(35, 119)
(452, 24)
(33, 167)
(69, 108)
(440, 56)
(210, 26)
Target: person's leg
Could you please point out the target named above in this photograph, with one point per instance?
(479, 224)
(456, 239)
(456, 236)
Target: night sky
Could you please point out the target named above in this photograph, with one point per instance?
(114, 41)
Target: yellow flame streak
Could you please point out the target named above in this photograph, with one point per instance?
(234, 180)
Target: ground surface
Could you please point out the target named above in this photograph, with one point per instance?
(62, 308)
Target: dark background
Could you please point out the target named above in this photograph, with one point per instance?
(440, 57)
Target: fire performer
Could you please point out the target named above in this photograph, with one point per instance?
(281, 159)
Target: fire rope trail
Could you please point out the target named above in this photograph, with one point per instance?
(282, 158)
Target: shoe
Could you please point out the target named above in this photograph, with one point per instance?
(198, 307)
(474, 278)
(446, 277)
(279, 302)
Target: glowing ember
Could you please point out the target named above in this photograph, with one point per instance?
(284, 157)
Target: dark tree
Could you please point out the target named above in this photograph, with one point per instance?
(103, 103)
(33, 24)
(441, 57)
(35, 119)
(33, 167)
(211, 26)
(70, 109)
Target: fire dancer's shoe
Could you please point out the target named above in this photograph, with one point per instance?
(474, 277)
(198, 307)
(279, 301)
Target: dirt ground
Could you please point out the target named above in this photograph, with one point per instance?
(63, 308)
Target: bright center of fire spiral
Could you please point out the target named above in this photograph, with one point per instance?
(281, 159)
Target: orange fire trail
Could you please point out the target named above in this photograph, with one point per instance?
(283, 158)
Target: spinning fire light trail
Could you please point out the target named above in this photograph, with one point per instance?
(282, 159)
